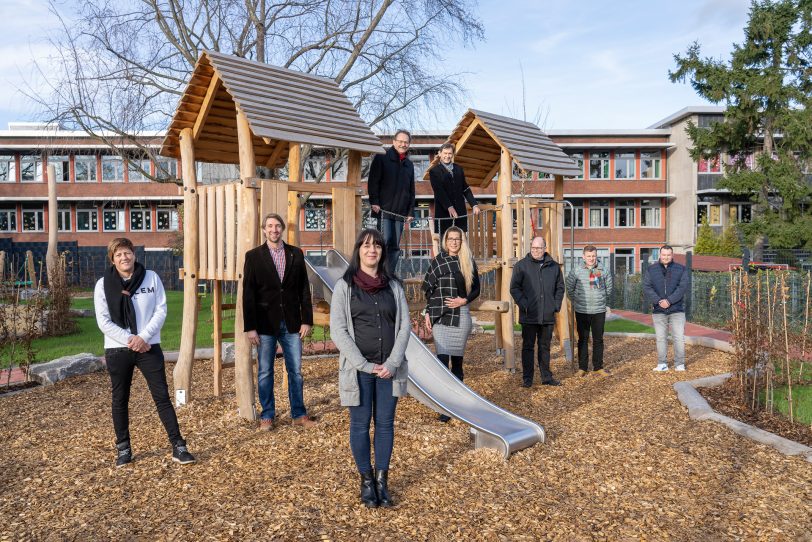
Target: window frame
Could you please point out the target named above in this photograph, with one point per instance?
(578, 157)
(658, 214)
(621, 206)
(625, 156)
(119, 169)
(318, 211)
(145, 210)
(121, 217)
(39, 218)
(421, 217)
(603, 160)
(10, 214)
(61, 213)
(10, 168)
(39, 175)
(79, 161)
(579, 215)
(707, 205)
(657, 165)
(94, 217)
(174, 218)
(603, 207)
(134, 175)
(63, 169)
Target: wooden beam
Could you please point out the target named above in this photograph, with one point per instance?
(489, 176)
(205, 107)
(278, 149)
(505, 219)
(458, 146)
(182, 374)
(244, 373)
(294, 177)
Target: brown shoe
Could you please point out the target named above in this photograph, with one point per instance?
(581, 373)
(305, 422)
(266, 424)
(603, 372)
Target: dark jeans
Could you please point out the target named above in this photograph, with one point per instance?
(121, 363)
(376, 401)
(595, 323)
(455, 364)
(391, 229)
(543, 333)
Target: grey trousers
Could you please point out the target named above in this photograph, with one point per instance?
(662, 322)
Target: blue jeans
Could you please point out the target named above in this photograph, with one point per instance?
(292, 349)
(675, 320)
(376, 400)
(391, 230)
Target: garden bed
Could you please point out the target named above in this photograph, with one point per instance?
(622, 461)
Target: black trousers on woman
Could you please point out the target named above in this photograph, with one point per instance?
(121, 363)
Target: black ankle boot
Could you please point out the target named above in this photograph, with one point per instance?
(381, 481)
(368, 494)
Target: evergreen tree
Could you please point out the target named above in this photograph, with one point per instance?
(707, 242)
(729, 244)
(766, 87)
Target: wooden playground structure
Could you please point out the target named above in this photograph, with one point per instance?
(238, 111)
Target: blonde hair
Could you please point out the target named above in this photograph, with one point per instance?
(464, 256)
(118, 243)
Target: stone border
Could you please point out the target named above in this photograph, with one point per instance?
(699, 409)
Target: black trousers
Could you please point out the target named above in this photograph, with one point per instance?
(455, 365)
(531, 333)
(121, 363)
(587, 323)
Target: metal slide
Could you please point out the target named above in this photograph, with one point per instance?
(431, 383)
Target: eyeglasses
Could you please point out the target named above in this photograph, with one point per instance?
(537, 248)
(404, 141)
(454, 239)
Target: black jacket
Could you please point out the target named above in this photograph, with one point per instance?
(537, 287)
(450, 190)
(391, 183)
(266, 301)
(666, 283)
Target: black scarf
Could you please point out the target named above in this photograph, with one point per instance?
(118, 293)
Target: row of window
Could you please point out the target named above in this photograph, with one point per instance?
(598, 214)
(86, 219)
(86, 168)
(737, 212)
(619, 164)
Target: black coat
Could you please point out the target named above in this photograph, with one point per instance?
(450, 191)
(391, 183)
(266, 301)
(537, 286)
(666, 283)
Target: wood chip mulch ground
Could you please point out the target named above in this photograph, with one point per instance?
(724, 399)
(622, 462)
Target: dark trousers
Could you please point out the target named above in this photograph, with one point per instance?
(454, 363)
(587, 323)
(543, 333)
(121, 363)
(377, 402)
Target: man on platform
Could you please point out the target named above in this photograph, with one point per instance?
(538, 289)
(391, 193)
(277, 309)
(450, 193)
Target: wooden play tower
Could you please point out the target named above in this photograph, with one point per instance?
(237, 111)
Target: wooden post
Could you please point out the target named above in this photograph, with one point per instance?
(217, 335)
(503, 189)
(30, 269)
(52, 255)
(294, 176)
(246, 240)
(556, 248)
(346, 207)
(2, 266)
(182, 374)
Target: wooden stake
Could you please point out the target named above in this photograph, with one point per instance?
(294, 176)
(182, 374)
(246, 240)
(505, 220)
(217, 336)
(52, 255)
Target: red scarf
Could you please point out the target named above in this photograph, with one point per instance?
(370, 284)
(402, 156)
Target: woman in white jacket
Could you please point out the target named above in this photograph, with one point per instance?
(130, 305)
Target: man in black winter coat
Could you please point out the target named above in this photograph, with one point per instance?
(537, 287)
(391, 193)
(450, 193)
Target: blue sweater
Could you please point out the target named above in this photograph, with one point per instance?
(669, 283)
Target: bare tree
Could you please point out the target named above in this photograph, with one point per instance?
(124, 63)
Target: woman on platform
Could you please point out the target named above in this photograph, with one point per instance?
(451, 283)
(369, 323)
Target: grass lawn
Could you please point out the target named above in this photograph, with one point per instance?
(801, 403)
(616, 326)
(89, 339)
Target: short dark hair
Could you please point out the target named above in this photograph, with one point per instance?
(402, 131)
(667, 247)
(118, 243)
(590, 248)
(275, 217)
(445, 146)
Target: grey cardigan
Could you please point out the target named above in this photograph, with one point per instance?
(351, 360)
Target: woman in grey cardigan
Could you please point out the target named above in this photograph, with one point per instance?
(369, 323)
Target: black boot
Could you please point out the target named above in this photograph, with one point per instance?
(381, 481)
(368, 494)
(125, 454)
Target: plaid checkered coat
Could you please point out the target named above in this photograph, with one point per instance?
(440, 283)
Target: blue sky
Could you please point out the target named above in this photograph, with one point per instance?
(587, 63)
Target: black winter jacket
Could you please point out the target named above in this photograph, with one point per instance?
(391, 183)
(668, 283)
(266, 300)
(537, 287)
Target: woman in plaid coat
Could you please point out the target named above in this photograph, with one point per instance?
(451, 283)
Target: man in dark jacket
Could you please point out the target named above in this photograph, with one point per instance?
(665, 285)
(538, 289)
(277, 309)
(450, 193)
(391, 193)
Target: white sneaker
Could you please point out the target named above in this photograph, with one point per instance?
(662, 367)
(679, 368)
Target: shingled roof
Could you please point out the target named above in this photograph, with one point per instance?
(282, 106)
(480, 137)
